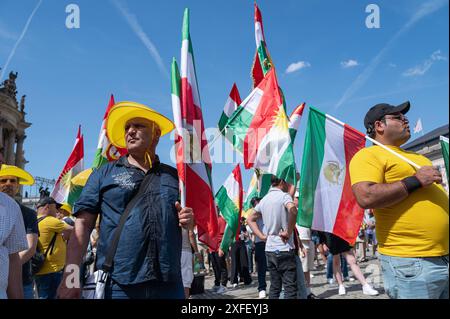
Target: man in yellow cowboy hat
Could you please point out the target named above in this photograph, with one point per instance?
(12, 241)
(146, 261)
(11, 177)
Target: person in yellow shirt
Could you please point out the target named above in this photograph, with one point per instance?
(52, 236)
(410, 206)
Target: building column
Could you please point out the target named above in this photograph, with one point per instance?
(19, 151)
(10, 158)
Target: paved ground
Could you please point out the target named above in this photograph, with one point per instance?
(320, 287)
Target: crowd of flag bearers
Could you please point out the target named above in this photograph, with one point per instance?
(143, 251)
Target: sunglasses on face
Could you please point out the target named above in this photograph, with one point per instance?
(5, 180)
(399, 117)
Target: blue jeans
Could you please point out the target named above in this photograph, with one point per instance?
(415, 278)
(148, 290)
(344, 266)
(48, 284)
(260, 257)
(301, 281)
(28, 292)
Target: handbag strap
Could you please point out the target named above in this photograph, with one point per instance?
(107, 265)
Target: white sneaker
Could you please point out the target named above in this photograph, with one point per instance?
(235, 285)
(262, 294)
(342, 290)
(221, 290)
(351, 279)
(311, 275)
(330, 281)
(368, 290)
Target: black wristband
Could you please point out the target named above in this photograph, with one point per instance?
(411, 183)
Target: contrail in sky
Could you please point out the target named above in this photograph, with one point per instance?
(24, 31)
(424, 10)
(137, 29)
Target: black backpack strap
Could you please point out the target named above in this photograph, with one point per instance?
(107, 265)
(51, 245)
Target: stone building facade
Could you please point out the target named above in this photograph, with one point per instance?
(12, 122)
(429, 146)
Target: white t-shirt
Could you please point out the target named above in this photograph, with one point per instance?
(186, 243)
(12, 237)
(275, 218)
(304, 232)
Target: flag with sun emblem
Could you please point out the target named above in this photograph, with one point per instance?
(229, 199)
(261, 129)
(65, 191)
(326, 200)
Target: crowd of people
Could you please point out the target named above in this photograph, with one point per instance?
(129, 231)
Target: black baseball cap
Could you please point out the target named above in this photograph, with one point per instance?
(46, 201)
(377, 112)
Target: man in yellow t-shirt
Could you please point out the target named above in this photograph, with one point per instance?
(52, 236)
(411, 207)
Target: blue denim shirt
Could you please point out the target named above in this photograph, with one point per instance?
(149, 248)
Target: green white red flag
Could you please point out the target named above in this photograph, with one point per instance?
(229, 200)
(326, 201)
(106, 152)
(193, 159)
(231, 105)
(444, 148)
(294, 120)
(64, 191)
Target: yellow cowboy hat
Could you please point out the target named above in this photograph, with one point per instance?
(122, 112)
(24, 177)
(67, 207)
(81, 178)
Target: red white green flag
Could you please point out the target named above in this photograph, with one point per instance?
(231, 105)
(64, 191)
(262, 62)
(261, 128)
(326, 201)
(294, 120)
(195, 173)
(106, 152)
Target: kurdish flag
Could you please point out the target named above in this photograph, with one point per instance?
(229, 199)
(262, 62)
(193, 160)
(106, 152)
(231, 105)
(64, 191)
(260, 183)
(261, 129)
(326, 201)
(444, 147)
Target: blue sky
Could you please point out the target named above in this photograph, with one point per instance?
(341, 67)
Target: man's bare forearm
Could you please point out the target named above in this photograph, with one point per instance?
(26, 255)
(79, 238)
(292, 219)
(251, 221)
(371, 195)
(15, 288)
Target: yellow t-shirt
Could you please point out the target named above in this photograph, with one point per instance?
(47, 228)
(418, 225)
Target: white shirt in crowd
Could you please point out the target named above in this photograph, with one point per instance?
(275, 218)
(12, 237)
